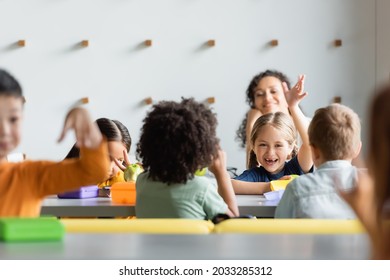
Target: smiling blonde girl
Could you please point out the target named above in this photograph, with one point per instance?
(274, 148)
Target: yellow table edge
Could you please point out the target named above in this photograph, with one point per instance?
(156, 226)
(290, 226)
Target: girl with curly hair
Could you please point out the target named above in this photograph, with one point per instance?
(177, 139)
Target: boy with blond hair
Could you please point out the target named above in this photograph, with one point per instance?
(334, 135)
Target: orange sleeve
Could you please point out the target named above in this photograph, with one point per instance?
(56, 177)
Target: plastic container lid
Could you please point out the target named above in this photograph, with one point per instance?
(83, 192)
(31, 229)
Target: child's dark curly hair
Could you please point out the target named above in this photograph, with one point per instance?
(176, 140)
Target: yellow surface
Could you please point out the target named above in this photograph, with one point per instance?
(289, 226)
(276, 185)
(153, 226)
(119, 177)
(279, 184)
(201, 172)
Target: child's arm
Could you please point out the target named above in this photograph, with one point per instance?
(90, 168)
(87, 132)
(294, 97)
(253, 115)
(243, 187)
(88, 138)
(225, 189)
(362, 201)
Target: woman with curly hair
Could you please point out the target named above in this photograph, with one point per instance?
(273, 145)
(177, 139)
(265, 94)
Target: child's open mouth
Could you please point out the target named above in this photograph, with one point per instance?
(271, 161)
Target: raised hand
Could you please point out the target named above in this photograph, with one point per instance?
(87, 132)
(125, 164)
(218, 165)
(296, 93)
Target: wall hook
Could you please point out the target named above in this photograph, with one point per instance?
(84, 100)
(85, 43)
(210, 100)
(22, 43)
(211, 43)
(148, 101)
(338, 43)
(274, 43)
(336, 99)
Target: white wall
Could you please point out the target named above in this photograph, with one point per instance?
(117, 72)
(383, 41)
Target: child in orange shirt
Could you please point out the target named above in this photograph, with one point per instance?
(25, 184)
